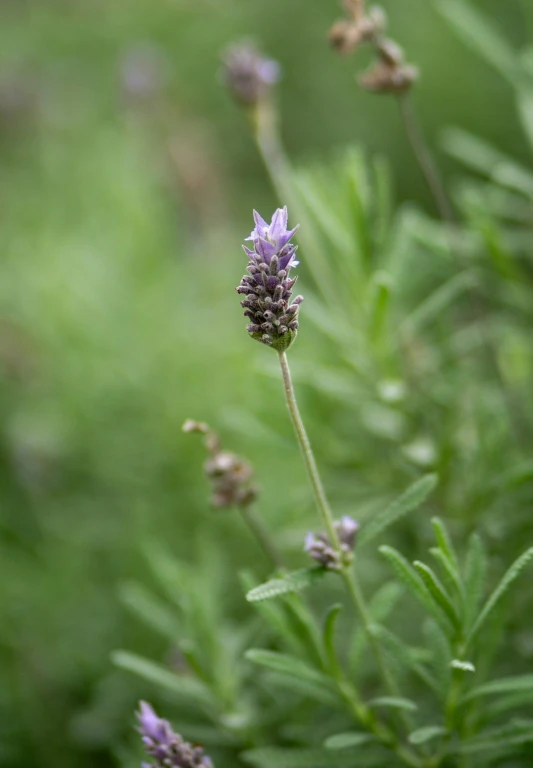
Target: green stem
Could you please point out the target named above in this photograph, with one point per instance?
(307, 453)
(425, 159)
(352, 585)
(257, 528)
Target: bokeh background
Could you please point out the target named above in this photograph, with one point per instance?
(127, 179)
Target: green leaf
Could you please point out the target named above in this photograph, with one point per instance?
(412, 581)
(434, 305)
(146, 606)
(438, 644)
(503, 685)
(348, 739)
(438, 593)
(483, 158)
(482, 37)
(328, 637)
(379, 609)
(289, 666)
(428, 732)
(444, 542)
(396, 702)
(499, 740)
(306, 689)
(403, 655)
(407, 502)
(512, 574)
(474, 577)
(525, 109)
(292, 582)
(273, 757)
(188, 690)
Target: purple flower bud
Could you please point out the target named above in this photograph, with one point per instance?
(267, 285)
(248, 75)
(167, 748)
(347, 530)
(320, 548)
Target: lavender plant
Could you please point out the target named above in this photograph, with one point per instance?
(344, 679)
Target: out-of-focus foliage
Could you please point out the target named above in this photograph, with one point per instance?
(126, 179)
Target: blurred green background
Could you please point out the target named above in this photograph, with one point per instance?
(127, 180)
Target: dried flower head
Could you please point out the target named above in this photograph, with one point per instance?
(268, 286)
(320, 548)
(387, 78)
(230, 476)
(166, 748)
(248, 75)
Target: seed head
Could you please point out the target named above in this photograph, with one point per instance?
(230, 476)
(320, 548)
(248, 75)
(267, 288)
(166, 748)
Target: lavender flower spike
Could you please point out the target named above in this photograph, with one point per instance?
(166, 748)
(268, 286)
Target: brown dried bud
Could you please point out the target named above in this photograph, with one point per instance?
(383, 78)
(230, 475)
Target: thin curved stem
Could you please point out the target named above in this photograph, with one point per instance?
(261, 534)
(307, 453)
(425, 159)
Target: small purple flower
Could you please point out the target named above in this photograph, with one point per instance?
(320, 548)
(167, 748)
(248, 75)
(268, 286)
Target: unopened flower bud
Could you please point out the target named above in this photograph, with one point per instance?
(320, 548)
(248, 75)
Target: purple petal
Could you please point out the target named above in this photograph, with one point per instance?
(283, 239)
(260, 223)
(278, 225)
(265, 249)
(310, 542)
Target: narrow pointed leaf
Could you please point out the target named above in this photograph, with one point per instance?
(329, 636)
(474, 577)
(427, 733)
(395, 702)
(289, 666)
(149, 609)
(187, 689)
(410, 578)
(348, 739)
(479, 33)
(503, 685)
(512, 574)
(407, 502)
(292, 582)
(438, 593)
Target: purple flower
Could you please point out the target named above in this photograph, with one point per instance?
(166, 748)
(320, 548)
(268, 286)
(248, 75)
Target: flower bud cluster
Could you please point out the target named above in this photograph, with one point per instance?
(319, 547)
(267, 288)
(230, 476)
(390, 73)
(166, 748)
(248, 75)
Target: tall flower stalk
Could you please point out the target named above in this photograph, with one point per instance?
(274, 323)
